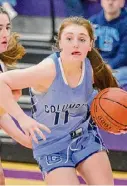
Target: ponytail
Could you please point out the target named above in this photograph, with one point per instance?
(103, 77)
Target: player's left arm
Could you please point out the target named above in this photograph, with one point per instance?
(9, 126)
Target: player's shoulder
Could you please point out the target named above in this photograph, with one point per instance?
(47, 62)
(47, 66)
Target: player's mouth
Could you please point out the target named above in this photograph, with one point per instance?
(4, 43)
(76, 53)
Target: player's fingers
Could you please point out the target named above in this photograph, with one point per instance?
(43, 127)
(115, 132)
(40, 133)
(33, 135)
(123, 131)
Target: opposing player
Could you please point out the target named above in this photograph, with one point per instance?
(10, 52)
(61, 92)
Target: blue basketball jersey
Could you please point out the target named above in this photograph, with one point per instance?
(62, 108)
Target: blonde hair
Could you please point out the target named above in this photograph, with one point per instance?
(103, 77)
(15, 50)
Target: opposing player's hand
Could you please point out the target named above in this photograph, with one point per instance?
(17, 94)
(31, 126)
(2, 111)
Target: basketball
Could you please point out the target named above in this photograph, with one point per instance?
(109, 110)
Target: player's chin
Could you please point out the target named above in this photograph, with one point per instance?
(77, 58)
(2, 50)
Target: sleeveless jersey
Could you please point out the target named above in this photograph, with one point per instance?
(62, 108)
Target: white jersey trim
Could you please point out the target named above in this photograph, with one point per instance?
(63, 75)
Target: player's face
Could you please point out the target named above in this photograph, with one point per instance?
(5, 30)
(112, 6)
(75, 42)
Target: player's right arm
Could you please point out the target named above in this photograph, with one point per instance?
(38, 76)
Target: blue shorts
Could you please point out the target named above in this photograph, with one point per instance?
(81, 147)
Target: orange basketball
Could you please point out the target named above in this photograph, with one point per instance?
(109, 110)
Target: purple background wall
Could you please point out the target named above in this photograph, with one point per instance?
(39, 7)
(42, 7)
(115, 142)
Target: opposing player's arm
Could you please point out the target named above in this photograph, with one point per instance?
(8, 125)
(16, 94)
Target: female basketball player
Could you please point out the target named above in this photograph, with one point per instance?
(61, 92)
(10, 51)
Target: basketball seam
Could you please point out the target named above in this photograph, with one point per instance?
(108, 118)
(109, 115)
(97, 122)
(115, 102)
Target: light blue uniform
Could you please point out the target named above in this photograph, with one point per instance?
(65, 110)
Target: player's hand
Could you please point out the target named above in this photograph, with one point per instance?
(31, 126)
(124, 131)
